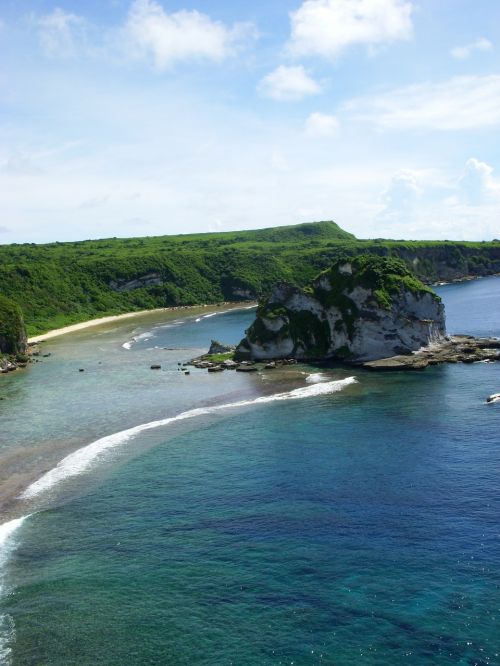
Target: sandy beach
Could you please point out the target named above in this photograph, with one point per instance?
(128, 315)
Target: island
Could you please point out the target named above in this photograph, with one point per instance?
(364, 310)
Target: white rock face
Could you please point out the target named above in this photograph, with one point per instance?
(358, 329)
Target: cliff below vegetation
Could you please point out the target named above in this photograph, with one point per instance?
(12, 330)
(362, 308)
(58, 284)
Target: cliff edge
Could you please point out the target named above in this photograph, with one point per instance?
(361, 309)
(12, 330)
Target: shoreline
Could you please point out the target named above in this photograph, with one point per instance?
(465, 278)
(90, 323)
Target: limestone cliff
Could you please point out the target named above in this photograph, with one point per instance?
(363, 308)
(12, 331)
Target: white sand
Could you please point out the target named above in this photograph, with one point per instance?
(128, 315)
(92, 322)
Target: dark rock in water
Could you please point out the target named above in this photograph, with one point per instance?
(397, 363)
(81, 370)
(495, 397)
(246, 368)
(156, 367)
(187, 372)
(217, 347)
(270, 366)
(215, 368)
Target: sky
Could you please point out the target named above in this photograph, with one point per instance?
(149, 117)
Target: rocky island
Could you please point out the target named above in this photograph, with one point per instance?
(365, 310)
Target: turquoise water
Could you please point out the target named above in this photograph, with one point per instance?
(355, 526)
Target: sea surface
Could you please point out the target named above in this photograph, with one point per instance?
(311, 515)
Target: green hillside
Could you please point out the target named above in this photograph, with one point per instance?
(63, 283)
(12, 330)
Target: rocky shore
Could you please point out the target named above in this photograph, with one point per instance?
(451, 349)
(12, 362)
(220, 357)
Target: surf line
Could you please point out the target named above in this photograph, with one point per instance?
(78, 462)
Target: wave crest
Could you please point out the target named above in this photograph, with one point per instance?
(79, 461)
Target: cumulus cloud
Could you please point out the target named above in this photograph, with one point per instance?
(477, 185)
(288, 84)
(183, 35)
(401, 195)
(321, 125)
(328, 27)
(60, 32)
(464, 102)
(465, 52)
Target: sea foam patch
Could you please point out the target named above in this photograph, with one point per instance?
(316, 378)
(81, 460)
(7, 544)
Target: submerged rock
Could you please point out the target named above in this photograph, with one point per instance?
(362, 309)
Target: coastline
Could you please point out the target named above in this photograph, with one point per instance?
(73, 328)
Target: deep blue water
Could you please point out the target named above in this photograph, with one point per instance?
(355, 527)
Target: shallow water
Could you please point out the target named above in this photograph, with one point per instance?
(357, 525)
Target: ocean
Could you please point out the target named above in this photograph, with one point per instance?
(310, 515)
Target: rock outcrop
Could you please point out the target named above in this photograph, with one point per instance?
(451, 349)
(217, 347)
(12, 331)
(363, 308)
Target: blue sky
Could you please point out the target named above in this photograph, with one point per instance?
(146, 117)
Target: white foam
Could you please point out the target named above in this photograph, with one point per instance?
(82, 459)
(316, 377)
(207, 316)
(7, 544)
(7, 530)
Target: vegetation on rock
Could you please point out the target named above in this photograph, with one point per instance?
(362, 306)
(12, 331)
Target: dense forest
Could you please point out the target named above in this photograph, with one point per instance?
(63, 283)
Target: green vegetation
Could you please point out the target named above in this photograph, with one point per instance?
(12, 331)
(386, 277)
(219, 358)
(64, 283)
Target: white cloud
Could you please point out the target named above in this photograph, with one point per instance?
(465, 102)
(477, 186)
(288, 84)
(328, 27)
(403, 191)
(60, 32)
(182, 35)
(464, 52)
(321, 125)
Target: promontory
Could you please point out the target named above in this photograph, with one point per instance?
(362, 308)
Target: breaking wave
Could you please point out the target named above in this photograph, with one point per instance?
(7, 544)
(82, 459)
